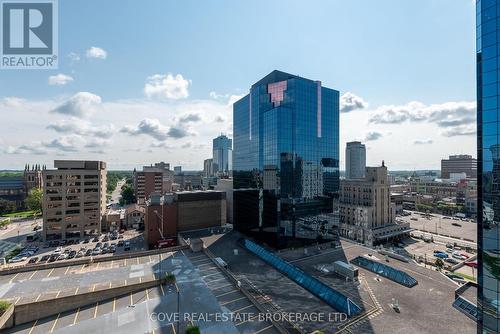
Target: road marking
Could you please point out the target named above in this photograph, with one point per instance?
(95, 311)
(38, 297)
(125, 283)
(149, 258)
(33, 274)
(110, 284)
(218, 279)
(112, 263)
(67, 268)
(248, 319)
(50, 272)
(76, 291)
(97, 265)
(58, 292)
(76, 316)
(125, 261)
(17, 300)
(263, 329)
(140, 279)
(13, 278)
(33, 327)
(162, 291)
(137, 260)
(83, 266)
(147, 294)
(226, 293)
(205, 276)
(55, 322)
(131, 299)
(243, 308)
(232, 301)
(173, 328)
(220, 287)
(114, 304)
(93, 288)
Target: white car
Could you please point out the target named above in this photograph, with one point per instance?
(18, 259)
(58, 250)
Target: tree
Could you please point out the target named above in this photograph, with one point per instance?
(127, 194)
(7, 206)
(34, 200)
(439, 264)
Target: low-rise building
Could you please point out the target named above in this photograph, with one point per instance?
(168, 214)
(134, 216)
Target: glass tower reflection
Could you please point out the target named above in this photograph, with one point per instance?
(285, 158)
(488, 89)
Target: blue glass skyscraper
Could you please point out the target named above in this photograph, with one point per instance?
(285, 158)
(222, 154)
(488, 117)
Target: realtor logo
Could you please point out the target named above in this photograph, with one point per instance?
(29, 34)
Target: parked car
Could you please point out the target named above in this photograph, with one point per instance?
(58, 250)
(79, 254)
(71, 254)
(441, 255)
(127, 246)
(120, 243)
(33, 259)
(465, 255)
(96, 251)
(98, 245)
(86, 240)
(456, 224)
(45, 258)
(17, 259)
(96, 239)
(472, 264)
(88, 252)
(53, 257)
(452, 261)
(63, 243)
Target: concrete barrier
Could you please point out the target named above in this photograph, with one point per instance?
(7, 319)
(28, 312)
(86, 260)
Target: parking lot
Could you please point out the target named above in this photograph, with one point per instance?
(44, 251)
(442, 225)
(230, 297)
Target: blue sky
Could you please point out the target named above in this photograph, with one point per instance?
(386, 53)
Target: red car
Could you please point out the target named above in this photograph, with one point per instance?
(465, 255)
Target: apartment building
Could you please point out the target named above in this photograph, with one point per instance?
(74, 201)
(154, 178)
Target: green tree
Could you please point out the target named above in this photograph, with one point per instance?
(439, 264)
(127, 194)
(34, 200)
(7, 206)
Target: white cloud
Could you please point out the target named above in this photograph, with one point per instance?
(350, 102)
(153, 128)
(79, 105)
(373, 135)
(81, 127)
(59, 79)
(167, 86)
(98, 53)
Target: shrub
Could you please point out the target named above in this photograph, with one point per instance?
(4, 305)
(193, 330)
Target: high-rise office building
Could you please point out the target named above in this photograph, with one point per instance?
(461, 163)
(286, 157)
(222, 155)
(208, 167)
(74, 199)
(488, 153)
(355, 160)
(154, 178)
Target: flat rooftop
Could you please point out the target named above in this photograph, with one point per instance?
(422, 307)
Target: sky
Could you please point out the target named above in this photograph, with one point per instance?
(146, 81)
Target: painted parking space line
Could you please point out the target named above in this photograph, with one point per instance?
(58, 293)
(67, 269)
(243, 308)
(76, 316)
(13, 278)
(220, 287)
(162, 291)
(33, 327)
(264, 329)
(246, 320)
(232, 301)
(48, 275)
(114, 304)
(17, 300)
(37, 298)
(226, 293)
(55, 323)
(95, 311)
(31, 276)
(76, 291)
(216, 273)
